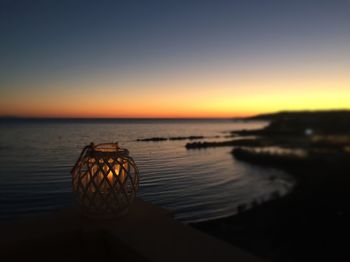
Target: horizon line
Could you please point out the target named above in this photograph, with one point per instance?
(110, 118)
(160, 118)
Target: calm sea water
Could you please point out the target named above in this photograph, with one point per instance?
(36, 158)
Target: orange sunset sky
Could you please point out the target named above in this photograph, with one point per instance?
(194, 60)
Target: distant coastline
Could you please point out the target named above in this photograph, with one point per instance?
(105, 120)
(296, 113)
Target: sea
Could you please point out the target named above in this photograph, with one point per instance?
(36, 157)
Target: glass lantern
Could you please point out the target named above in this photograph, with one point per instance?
(105, 180)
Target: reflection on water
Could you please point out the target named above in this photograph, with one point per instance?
(276, 150)
(36, 158)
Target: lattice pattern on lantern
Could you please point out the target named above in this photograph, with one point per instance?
(105, 180)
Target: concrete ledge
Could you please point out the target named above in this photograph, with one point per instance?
(146, 233)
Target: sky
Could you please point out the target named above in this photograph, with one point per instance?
(173, 58)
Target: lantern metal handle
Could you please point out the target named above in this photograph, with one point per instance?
(94, 147)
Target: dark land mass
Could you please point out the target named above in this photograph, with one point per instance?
(152, 139)
(306, 114)
(238, 142)
(317, 129)
(311, 223)
(295, 123)
(284, 141)
(173, 138)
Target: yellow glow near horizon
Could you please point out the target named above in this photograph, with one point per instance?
(190, 95)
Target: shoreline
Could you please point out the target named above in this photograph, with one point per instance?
(294, 227)
(312, 221)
